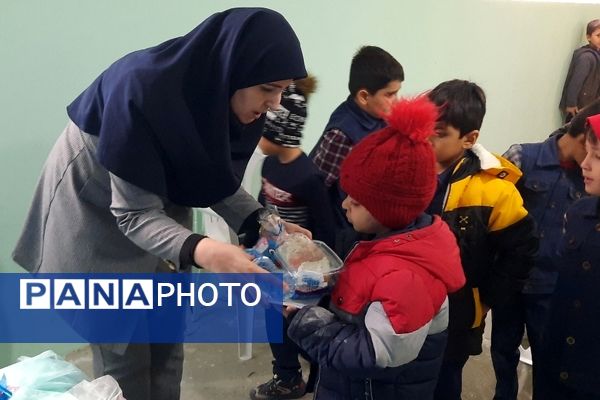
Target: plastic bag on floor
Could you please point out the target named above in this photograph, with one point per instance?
(36, 394)
(42, 377)
(4, 392)
(103, 388)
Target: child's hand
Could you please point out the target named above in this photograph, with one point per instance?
(289, 310)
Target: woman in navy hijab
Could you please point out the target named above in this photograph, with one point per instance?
(161, 130)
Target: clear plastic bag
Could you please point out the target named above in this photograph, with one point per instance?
(103, 388)
(272, 234)
(309, 266)
(42, 377)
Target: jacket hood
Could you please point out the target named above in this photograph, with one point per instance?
(432, 248)
(496, 165)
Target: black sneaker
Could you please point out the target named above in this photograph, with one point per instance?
(278, 389)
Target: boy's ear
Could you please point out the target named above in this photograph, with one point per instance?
(470, 139)
(361, 97)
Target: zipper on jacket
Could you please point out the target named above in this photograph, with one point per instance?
(368, 389)
(351, 251)
(315, 395)
(445, 200)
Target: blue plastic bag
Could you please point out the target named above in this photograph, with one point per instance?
(4, 392)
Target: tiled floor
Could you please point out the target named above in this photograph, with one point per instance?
(215, 372)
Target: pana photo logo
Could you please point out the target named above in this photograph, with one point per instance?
(135, 294)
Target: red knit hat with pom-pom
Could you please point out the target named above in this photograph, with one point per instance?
(392, 172)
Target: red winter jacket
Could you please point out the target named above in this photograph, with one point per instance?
(387, 331)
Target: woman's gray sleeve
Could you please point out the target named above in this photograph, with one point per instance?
(236, 208)
(141, 216)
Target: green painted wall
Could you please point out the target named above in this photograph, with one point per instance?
(51, 50)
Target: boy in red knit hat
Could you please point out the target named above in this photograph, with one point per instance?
(384, 333)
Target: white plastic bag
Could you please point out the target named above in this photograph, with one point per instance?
(103, 388)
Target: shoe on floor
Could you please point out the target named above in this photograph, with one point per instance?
(278, 389)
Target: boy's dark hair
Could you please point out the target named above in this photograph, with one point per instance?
(461, 104)
(372, 69)
(578, 123)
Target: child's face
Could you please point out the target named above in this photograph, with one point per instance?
(448, 146)
(594, 38)
(360, 218)
(379, 104)
(248, 104)
(590, 168)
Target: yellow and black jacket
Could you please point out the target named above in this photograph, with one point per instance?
(497, 242)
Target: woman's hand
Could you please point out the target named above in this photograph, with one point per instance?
(215, 256)
(293, 228)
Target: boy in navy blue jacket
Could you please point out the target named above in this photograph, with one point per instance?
(568, 363)
(375, 79)
(551, 182)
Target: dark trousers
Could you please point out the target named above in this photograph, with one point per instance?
(286, 364)
(285, 355)
(449, 385)
(144, 371)
(508, 325)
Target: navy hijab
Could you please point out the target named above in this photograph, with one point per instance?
(162, 114)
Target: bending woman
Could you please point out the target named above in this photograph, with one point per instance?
(161, 130)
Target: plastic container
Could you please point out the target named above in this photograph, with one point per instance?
(311, 263)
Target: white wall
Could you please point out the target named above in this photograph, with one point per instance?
(51, 50)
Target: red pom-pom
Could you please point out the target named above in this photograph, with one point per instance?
(414, 117)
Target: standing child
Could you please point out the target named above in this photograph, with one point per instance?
(477, 198)
(582, 85)
(384, 333)
(569, 364)
(375, 79)
(551, 182)
(293, 186)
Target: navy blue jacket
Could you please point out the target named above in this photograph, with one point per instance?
(571, 347)
(547, 190)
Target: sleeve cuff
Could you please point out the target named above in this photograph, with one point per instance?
(186, 255)
(248, 233)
